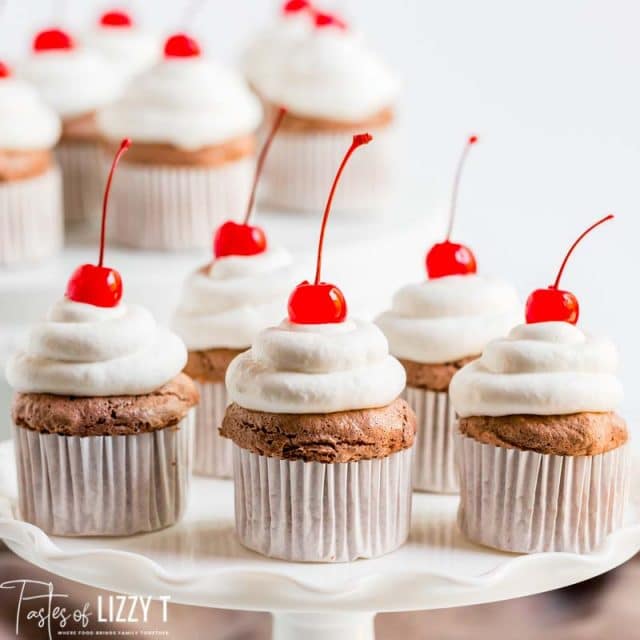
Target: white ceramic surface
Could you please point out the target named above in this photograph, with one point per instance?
(200, 561)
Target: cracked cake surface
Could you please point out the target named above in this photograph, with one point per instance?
(344, 436)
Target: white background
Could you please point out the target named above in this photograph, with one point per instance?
(551, 87)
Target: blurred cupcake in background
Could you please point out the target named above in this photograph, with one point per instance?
(333, 85)
(75, 82)
(123, 42)
(194, 123)
(224, 305)
(30, 183)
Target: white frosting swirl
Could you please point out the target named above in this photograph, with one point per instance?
(446, 319)
(227, 304)
(325, 73)
(84, 350)
(74, 82)
(295, 368)
(26, 123)
(548, 368)
(189, 103)
(130, 49)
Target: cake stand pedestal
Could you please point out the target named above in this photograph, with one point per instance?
(200, 562)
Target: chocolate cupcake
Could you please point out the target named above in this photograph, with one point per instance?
(333, 85)
(30, 184)
(322, 443)
(543, 457)
(194, 123)
(435, 327)
(101, 413)
(224, 305)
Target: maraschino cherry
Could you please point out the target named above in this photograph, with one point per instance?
(321, 302)
(322, 20)
(96, 284)
(180, 45)
(554, 304)
(116, 18)
(5, 72)
(53, 40)
(243, 239)
(296, 6)
(450, 258)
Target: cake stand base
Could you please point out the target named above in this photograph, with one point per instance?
(315, 626)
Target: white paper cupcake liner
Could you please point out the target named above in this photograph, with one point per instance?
(31, 218)
(171, 208)
(213, 455)
(110, 485)
(434, 464)
(530, 502)
(84, 178)
(317, 512)
(302, 166)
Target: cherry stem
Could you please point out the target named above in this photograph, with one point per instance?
(260, 164)
(556, 284)
(358, 141)
(124, 145)
(456, 182)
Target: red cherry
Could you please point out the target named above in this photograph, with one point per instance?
(116, 18)
(96, 284)
(53, 40)
(295, 6)
(5, 72)
(234, 239)
(320, 302)
(181, 45)
(317, 303)
(329, 20)
(449, 258)
(553, 304)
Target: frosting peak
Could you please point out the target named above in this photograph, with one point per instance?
(320, 73)
(449, 318)
(84, 350)
(227, 303)
(26, 122)
(546, 368)
(188, 102)
(321, 368)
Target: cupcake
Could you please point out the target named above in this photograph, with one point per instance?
(435, 327)
(542, 454)
(101, 414)
(224, 305)
(75, 82)
(123, 43)
(194, 123)
(30, 184)
(322, 442)
(333, 86)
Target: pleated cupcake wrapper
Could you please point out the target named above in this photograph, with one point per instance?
(84, 176)
(434, 463)
(302, 166)
(111, 485)
(529, 502)
(316, 512)
(31, 218)
(171, 208)
(213, 455)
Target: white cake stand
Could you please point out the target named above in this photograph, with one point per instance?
(200, 562)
